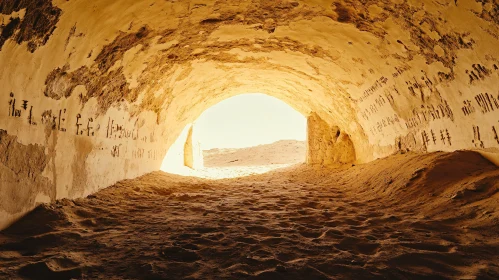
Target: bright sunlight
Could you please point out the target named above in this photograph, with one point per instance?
(243, 135)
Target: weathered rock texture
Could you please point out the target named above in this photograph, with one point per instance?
(104, 88)
(28, 21)
(327, 145)
(21, 181)
(193, 155)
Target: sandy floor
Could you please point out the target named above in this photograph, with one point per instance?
(405, 217)
(233, 163)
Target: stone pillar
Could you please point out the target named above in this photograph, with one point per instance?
(327, 145)
(193, 154)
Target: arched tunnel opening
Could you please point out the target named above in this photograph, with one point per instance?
(399, 179)
(240, 136)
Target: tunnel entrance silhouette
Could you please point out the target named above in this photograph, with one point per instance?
(253, 134)
(242, 135)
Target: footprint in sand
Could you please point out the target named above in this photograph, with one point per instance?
(178, 254)
(56, 268)
(310, 234)
(427, 247)
(357, 245)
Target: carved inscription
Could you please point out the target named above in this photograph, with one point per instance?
(55, 120)
(436, 137)
(115, 150)
(378, 84)
(477, 141)
(13, 111)
(487, 102)
(118, 130)
(495, 134)
(83, 126)
(138, 153)
(384, 123)
(477, 136)
(468, 108)
(416, 86)
(477, 73)
(152, 154)
(379, 102)
(400, 70)
(430, 113)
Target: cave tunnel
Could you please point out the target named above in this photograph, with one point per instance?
(401, 99)
(250, 133)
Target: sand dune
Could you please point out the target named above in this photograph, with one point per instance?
(408, 216)
(280, 152)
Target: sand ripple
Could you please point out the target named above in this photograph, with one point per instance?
(405, 217)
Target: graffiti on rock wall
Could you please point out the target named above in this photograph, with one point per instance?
(478, 73)
(430, 113)
(379, 102)
(487, 102)
(423, 87)
(496, 137)
(115, 150)
(400, 70)
(436, 137)
(13, 111)
(477, 139)
(118, 151)
(84, 126)
(375, 87)
(384, 123)
(468, 108)
(117, 130)
(138, 153)
(484, 101)
(55, 120)
(153, 154)
(420, 87)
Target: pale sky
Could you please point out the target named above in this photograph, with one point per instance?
(249, 120)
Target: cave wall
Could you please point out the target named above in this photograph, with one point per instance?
(327, 145)
(97, 92)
